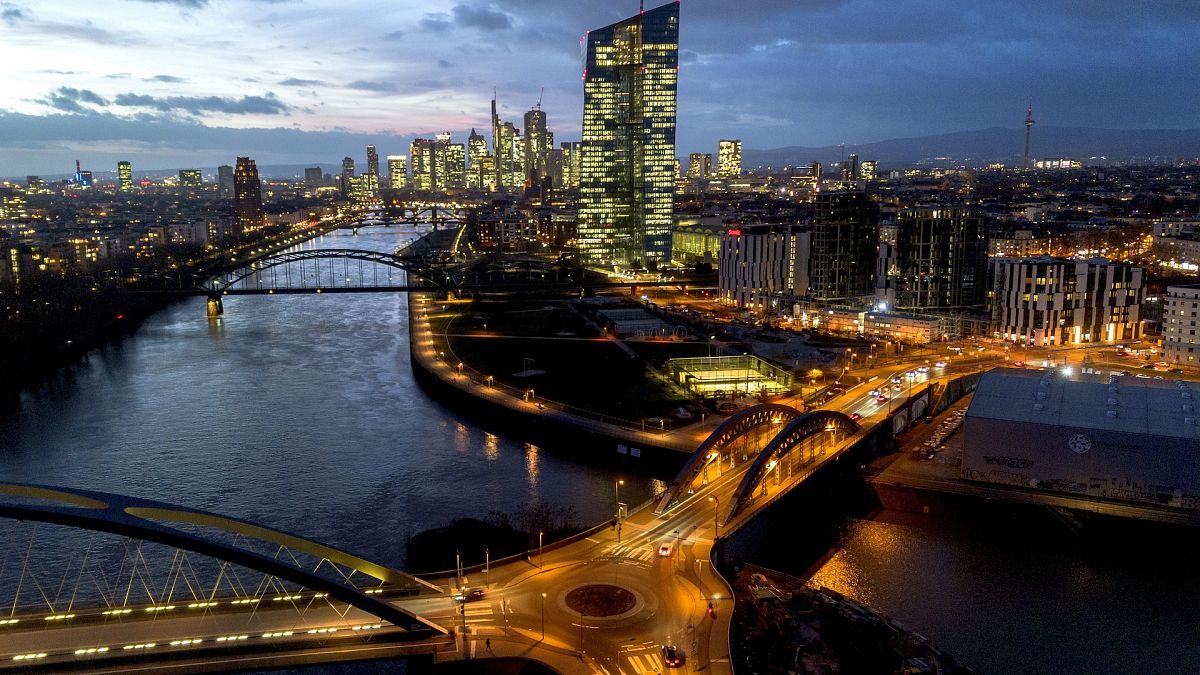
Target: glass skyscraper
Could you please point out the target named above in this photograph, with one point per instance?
(628, 149)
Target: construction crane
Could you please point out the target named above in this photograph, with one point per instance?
(538, 105)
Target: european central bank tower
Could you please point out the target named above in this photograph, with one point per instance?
(627, 172)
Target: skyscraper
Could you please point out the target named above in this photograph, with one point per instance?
(347, 174)
(247, 197)
(729, 159)
(398, 171)
(225, 180)
(372, 161)
(313, 176)
(124, 176)
(844, 245)
(506, 147)
(424, 164)
(476, 151)
(699, 165)
(628, 149)
(941, 258)
(537, 144)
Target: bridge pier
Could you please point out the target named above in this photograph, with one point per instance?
(215, 307)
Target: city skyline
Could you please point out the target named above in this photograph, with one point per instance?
(311, 82)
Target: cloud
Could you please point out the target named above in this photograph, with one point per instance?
(443, 63)
(70, 99)
(394, 35)
(196, 105)
(297, 82)
(168, 78)
(484, 17)
(438, 22)
(367, 85)
(11, 14)
(188, 4)
(118, 76)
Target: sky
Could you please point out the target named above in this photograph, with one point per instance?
(180, 83)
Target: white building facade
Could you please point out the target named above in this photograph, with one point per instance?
(1181, 311)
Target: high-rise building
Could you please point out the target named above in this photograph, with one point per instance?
(190, 178)
(757, 261)
(424, 164)
(225, 180)
(868, 170)
(844, 246)
(1054, 301)
(313, 176)
(364, 189)
(372, 161)
(729, 159)
(124, 176)
(555, 168)
(456, 165)
(398, 171)
(1181, 305)
(537, 145)
(699, 165)
(247, 197)
(571, 162)
(347, 174)
(476, 151)
(627, 174)
(507, 148)
(941, 258)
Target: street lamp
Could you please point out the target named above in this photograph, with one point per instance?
(543, 616)
(541, 560)
(617, 492)
(716, 515)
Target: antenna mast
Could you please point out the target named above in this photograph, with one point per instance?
(1028, 129)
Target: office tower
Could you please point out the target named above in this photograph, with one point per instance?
(364, 189)
(247, 197)
(678, 169)
(844, 245)
(456, 165)
(815, 170)
(372, 161)
(124, 176)
(487, 172)
(1054, 301)
(941, 258)
(313, 176)
(225, 180)
(571, 159)
(347, 174)
(476, 151)
(699, 165)
(506, 146)
(627, 181)
(424, 162)
(729, 159)
(537, 144)
(757, 261)
(555, 168)
(519, 171)
(190, 178)
(398, 171)
(850, 168)
(868, 170)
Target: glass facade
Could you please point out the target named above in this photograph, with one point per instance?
(628, 151)
(125, 176)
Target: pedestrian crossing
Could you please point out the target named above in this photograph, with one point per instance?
(644, 663)
(477, 614)
(630, 552)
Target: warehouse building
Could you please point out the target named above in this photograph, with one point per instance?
(1128, 438)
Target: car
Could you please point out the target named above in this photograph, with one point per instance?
(855, 416)
(881, 398)
(897, 380)
(923, 369)
(873, 393)
(1018, 364)
(896, 387)
(664, 550)
(472, 594)
(672, 656)
(1143, 376)
(940, 364)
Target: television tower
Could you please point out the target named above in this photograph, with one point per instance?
(1028, 129)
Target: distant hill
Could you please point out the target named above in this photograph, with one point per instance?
(984, 146)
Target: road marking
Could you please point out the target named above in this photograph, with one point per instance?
(655, 661)
(637, 664)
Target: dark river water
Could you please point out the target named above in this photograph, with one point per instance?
(301, 412)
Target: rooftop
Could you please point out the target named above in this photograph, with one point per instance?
(1123, 404)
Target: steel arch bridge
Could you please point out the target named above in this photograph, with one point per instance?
(152, 521)
(224, 282)
(757, 417)
(786, 454)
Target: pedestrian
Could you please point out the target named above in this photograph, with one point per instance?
(488, 644)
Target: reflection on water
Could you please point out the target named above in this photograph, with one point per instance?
(1011, 594)
(298, 411)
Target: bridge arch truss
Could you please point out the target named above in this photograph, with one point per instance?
(287, 260)
(746, 428)
(791, 452)
(154, 521)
